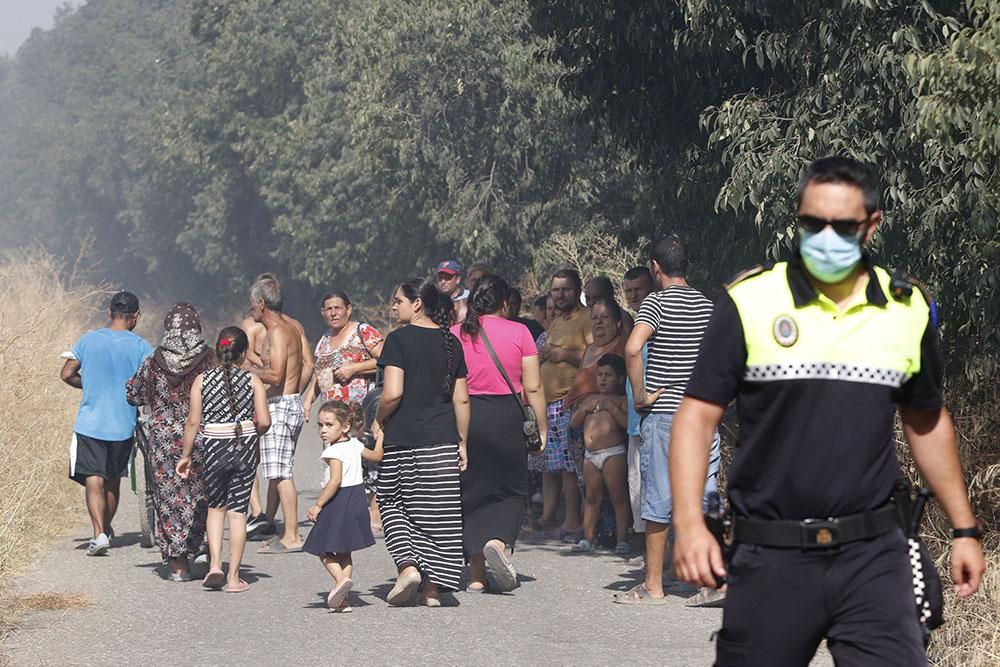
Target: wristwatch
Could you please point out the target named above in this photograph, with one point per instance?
(975, 531)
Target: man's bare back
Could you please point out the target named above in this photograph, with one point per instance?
(281, 354)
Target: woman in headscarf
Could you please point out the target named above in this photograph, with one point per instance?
(163, 383)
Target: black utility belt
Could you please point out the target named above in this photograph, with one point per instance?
(816, 533)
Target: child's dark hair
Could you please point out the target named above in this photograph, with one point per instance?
(437, 306)
(230, 347)
(346, 413)
(614, 362)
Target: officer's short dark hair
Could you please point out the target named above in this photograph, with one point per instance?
(838, 169)
(124, 303)
(614, 362)
(639, 272)
(671, 255)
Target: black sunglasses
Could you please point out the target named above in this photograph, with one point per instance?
(842, 227)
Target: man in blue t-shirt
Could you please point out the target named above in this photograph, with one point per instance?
(102, 362)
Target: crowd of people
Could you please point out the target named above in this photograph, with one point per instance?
(423, 425)
(446, 433)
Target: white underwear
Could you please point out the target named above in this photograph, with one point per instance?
(598, 458)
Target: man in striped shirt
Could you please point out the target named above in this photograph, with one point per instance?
(672, 321)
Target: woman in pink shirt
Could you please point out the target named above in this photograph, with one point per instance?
(495, 485)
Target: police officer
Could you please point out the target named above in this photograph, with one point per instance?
(819, 351)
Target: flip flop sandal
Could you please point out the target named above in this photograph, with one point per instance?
(339, 594)
(406, 586)
(241, 587)
(474, 588)
(343, 610)
(275, 546)
(638, 595)
(215, 580)
(622, 549)
(707, 598)
(581, 547)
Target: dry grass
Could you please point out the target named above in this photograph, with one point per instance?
(40, 319)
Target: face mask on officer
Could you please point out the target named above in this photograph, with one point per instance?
(830, 249)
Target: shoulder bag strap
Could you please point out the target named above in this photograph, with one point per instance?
(496, 362)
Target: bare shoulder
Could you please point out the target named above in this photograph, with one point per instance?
(252, 328)
(299, 329)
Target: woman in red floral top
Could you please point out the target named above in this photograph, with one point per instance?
(345, 370)
(345, 355)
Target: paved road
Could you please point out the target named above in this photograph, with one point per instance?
(561, 614)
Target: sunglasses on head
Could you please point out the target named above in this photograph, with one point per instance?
(842, 227)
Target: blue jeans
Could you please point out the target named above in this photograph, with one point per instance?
(654, 458)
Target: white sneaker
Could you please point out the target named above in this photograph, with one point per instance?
(99, 545)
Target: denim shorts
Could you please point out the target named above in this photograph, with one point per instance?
(654, 456)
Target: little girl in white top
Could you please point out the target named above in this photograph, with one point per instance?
(341, 511)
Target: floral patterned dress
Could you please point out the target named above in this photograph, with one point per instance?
(181, 504)
(355, 349)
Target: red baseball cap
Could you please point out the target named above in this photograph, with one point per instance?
(450, 267)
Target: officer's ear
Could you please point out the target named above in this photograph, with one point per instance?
(873, 222)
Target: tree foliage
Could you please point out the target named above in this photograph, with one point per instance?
(353, 143)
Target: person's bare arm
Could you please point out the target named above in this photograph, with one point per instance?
(191, 426)
(274, 373)
(253, 330)
(261, 413)
(931, 435)
(697, 556)
(70, 373)
(308, 362)
(309, 395)
(375, 455)
(579, 416)
(616, 407)
(460, 401)
(329, 491)
(633, 363)
(534, 393)
(392, 394)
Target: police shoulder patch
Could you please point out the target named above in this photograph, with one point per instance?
(747, 273)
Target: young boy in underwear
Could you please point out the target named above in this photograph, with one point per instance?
(604, 418)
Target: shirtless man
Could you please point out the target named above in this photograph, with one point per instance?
(604, 418)
(257, 522)
(281, 371)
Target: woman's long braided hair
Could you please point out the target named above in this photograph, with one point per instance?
(491, 295)
(230, 348)
(438, 307)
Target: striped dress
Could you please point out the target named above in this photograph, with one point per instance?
(230, 463)
(419, 488)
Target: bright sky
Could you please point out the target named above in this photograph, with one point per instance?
(18, 17)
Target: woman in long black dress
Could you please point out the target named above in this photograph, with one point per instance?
(424, 412)
(495, 484)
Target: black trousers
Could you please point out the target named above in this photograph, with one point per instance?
(782, 602)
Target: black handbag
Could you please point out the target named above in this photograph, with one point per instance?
(532, 438)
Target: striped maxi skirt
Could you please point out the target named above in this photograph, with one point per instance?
(420, 500)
